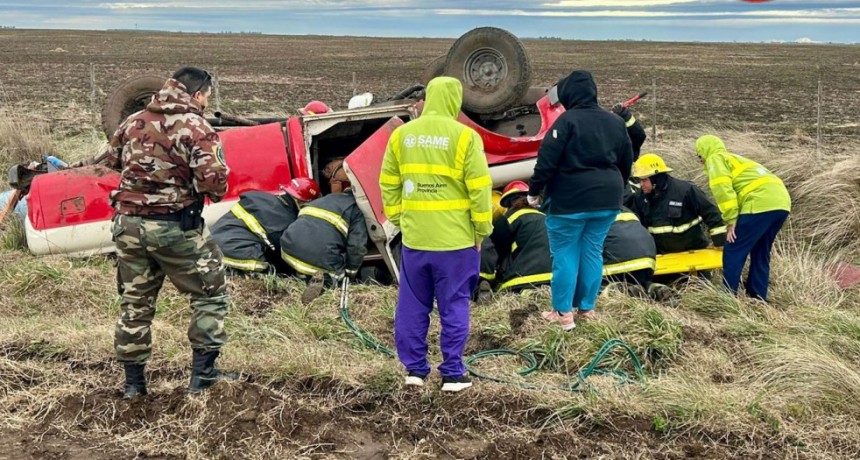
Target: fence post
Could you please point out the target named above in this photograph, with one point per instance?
(654, 109)
(93, 107)
(215, 86)
(818, 121)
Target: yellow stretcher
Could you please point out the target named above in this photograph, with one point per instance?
(689, 262)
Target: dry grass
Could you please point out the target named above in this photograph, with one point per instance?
(22, 141)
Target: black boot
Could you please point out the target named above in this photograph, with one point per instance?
(203, 371)
(135, 381)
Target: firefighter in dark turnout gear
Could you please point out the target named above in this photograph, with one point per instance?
(250, 234)
(629, 252)
(674, 210)
(521, 242)
(329, 237)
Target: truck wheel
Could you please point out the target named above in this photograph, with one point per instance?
(127, 97)
(435, 68)
(494, 68)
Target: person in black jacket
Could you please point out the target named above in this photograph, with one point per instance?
(630, 258)
(629, 253)
(582, 167)
(674, 210)
(250, 234)
(329, 237)
(521, 242)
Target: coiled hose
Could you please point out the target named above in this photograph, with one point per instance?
(531, 363)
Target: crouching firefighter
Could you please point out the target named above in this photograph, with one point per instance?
(329, 237)
(521, 241)
(250, 234)
(170, 159)
(630, 257)
(674, 210)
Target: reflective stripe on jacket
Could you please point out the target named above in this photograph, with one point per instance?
(628, 246)
(329, 235)
(522, 243)
(674, 213)
(249, 235)
(740, 185)
(435, 181)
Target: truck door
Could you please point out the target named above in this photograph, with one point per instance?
(363, 166)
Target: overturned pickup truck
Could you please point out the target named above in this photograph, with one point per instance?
(69, 211)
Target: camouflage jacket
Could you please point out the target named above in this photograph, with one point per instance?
(167, 155)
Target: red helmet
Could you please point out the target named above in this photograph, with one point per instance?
(303, 189)
(512, 190)
(314, 108)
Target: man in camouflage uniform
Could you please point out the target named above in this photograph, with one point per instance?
(170, 158)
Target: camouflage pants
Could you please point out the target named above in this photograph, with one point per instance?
(147, 250)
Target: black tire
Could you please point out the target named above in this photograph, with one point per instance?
(434, 69)
(127, 97)
(494, 68)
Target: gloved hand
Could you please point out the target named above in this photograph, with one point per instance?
(352, 274)
(622, 111)
(534, 201)
(338, 277)
(719, 240)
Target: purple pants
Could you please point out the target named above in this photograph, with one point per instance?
(449, 277)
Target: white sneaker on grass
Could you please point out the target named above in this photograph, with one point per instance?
(455, 384)
(415, 380)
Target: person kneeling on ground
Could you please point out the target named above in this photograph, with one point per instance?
(629, 258)
(521, 241)
(250, 234)
(755, 205)
(329, 237)
(674, 211)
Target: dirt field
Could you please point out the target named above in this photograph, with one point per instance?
(766, 88)
(725, 378)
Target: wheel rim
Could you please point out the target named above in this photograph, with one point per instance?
(142, 101)
(485, 68)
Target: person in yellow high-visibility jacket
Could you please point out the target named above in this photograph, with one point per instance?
(436, 187)
(754, 204)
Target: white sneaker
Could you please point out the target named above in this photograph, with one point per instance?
(455, 384)
(414, 380)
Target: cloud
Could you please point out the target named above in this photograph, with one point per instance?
(255, 4)
(615, 3)
(804, 40)
(817, 16)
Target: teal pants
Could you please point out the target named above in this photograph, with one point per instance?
(576, 245)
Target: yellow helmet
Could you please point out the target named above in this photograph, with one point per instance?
(648, 165)
(498, 209)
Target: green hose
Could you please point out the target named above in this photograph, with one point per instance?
(363, 336)
(531, 363)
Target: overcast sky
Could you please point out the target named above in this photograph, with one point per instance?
(682, 20)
